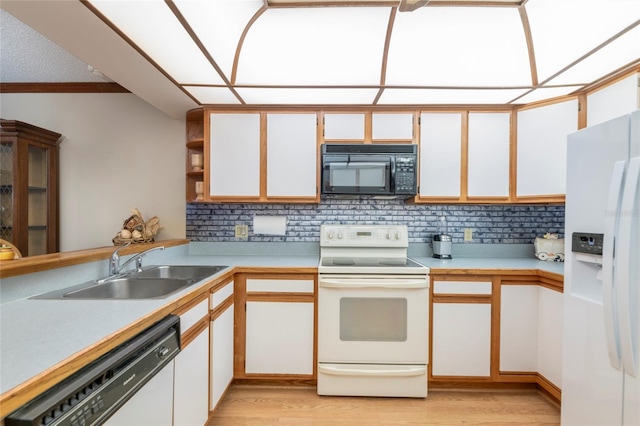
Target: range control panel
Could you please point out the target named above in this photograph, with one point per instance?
(586, 242)
(363, 236)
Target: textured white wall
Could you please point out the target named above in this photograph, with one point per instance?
(117, 153)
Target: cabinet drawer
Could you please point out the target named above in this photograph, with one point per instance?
(279, 286)
(462, 287)
(220, 295)
(193, 315)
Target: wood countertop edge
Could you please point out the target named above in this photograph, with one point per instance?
(44, 262)
(497, 271)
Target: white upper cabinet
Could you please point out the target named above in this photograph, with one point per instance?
(440, 154)
(613, 101)
(392, 126)
(234, 145)
(344, 126)
(291, 155)
(542, 141)
(488, 170)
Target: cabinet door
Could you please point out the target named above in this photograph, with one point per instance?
(279, 338)
(461, 339)
(221, 355)
(542, 142)
(519, 328)
(392, 126)
(440, 155)
(550, 311)
(150, 406)
(191, 389)
(292, 155)
(488, 170)
(234, 149)
(344, 126)
(613, 101)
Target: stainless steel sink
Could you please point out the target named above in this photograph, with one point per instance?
(132, 288)
(179, 271)
(156, 282)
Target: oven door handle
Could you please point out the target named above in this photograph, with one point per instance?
(405, 371)
(392, 283)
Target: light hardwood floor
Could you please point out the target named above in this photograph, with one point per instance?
(257, 405)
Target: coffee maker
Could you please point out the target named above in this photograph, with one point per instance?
(442, 240)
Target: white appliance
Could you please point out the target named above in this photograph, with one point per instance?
(601, 353)
(373, 313)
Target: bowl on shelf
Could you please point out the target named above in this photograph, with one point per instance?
(7, 253)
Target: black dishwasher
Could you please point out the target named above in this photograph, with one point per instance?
(94, 393)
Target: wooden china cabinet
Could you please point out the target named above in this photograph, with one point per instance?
(29, 187)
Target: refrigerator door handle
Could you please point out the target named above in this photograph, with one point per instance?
(608, 252)
(627, 302)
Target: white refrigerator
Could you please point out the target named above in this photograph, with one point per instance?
(601, 330)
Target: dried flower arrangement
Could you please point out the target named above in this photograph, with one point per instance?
(136, 230)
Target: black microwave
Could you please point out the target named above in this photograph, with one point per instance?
(369, 169)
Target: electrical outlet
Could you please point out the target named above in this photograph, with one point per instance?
(242, 231)
(468, 234)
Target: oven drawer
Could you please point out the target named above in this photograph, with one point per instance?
(372, 380)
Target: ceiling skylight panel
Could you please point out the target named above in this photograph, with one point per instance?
(447, 96)
(459, 46)
(315, 46)
(304, 96)
(219, 25)
(564, 30)
(213, 95)
(618, 53)
(154, 28)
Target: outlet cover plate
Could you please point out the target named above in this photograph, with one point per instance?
(242, 231)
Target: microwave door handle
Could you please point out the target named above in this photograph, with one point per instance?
(392, 182)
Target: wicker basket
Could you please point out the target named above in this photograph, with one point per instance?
(117, 241)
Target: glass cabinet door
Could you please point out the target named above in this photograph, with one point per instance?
(37, 200)
(6, 192)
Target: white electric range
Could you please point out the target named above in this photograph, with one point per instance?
(373, 313)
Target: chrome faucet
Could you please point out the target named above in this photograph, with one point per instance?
(114, 260)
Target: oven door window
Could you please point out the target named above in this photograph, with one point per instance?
(364, 319)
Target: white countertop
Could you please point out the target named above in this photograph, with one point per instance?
(36, 335)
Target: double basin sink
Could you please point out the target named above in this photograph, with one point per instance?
(156, 282)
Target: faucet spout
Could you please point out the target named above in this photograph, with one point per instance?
(114, 261)
(139, 256)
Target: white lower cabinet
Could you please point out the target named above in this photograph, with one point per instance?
(221, 355)
(461, 339)
(531, 331)
(550, 312)
(519, 328)
(191, 388)
(150, 406)
(279, 337)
